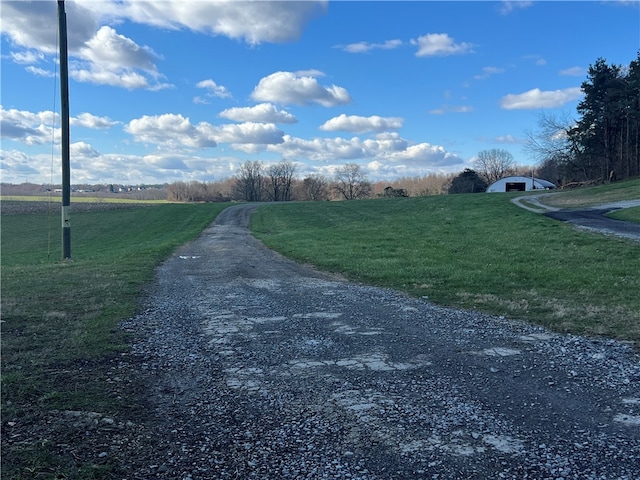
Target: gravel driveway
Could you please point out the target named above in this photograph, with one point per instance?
(262, 368)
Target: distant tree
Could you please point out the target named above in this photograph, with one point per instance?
(606, 138)
(314, 187)
(250, 181)
(551, 146)
(493, 164)
(351, 182)
(468, 182)
(281, 180)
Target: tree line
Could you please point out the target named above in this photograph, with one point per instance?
(603, 144)
(256, 182)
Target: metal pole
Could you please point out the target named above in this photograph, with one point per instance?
(64, 105)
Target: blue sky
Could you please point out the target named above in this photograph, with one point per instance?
(173, 90)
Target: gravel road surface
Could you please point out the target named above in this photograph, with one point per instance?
(262, 368)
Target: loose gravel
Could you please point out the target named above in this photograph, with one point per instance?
(257, 367)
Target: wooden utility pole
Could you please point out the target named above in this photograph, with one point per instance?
(64, 105)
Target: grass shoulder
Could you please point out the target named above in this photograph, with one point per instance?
(471, 251)
(60, 332)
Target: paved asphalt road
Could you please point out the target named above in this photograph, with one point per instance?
(596, 219)
(263, 368)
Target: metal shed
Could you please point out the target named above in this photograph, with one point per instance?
(520, 184)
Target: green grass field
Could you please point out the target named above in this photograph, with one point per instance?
(471, 251)
(60, 319)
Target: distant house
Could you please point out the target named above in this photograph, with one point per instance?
(520, 184)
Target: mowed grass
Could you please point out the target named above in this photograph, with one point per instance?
(60, 320)
(627, 214)
(473, 251)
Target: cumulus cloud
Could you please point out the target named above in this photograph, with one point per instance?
(440, 45)
(17, 165)
(357, 124)
(109, 58)
(365, 47)
(253, 22)
(537, 98)
(213, 89)
(249, 133)
(92, 121)
(31, 25)
(171, 131)
(175, 132)
(291, 88)
(262, 113)
(386, 148)
(83, 150)
(27, 127)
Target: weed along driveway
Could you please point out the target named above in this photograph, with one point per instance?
(258, 367)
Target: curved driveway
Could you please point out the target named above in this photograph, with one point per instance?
(263, 368)
(593, 218)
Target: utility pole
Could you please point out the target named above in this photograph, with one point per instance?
(64, 105)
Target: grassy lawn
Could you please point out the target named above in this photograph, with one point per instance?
(60, 319)
(472, 251)
(627, 214)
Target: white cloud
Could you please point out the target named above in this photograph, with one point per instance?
(537, 98)
(451, 108)
(96, 55)
(440, 44)
(365, 47)
(510, 139)
(386, 148)
(171, 131)
(425, 154)
(177, 133)
(263, 113)
(214, 89)
(573, 72)
(509, 6)
(16, 165)
(27, 127)
(254, 22)
(27, 57)
(82, 150)
(111, 50)
(40, 72)
(290, 88)
(113, 59)
(33, 25)
(92, 121)
(357, 124)
(249, 133)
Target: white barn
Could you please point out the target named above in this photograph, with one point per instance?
(520, 184)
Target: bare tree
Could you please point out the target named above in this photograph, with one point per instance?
(351, 182)
(281, 179)
(493, 164)
(551, 145)
(249, 181)
(314, 187)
